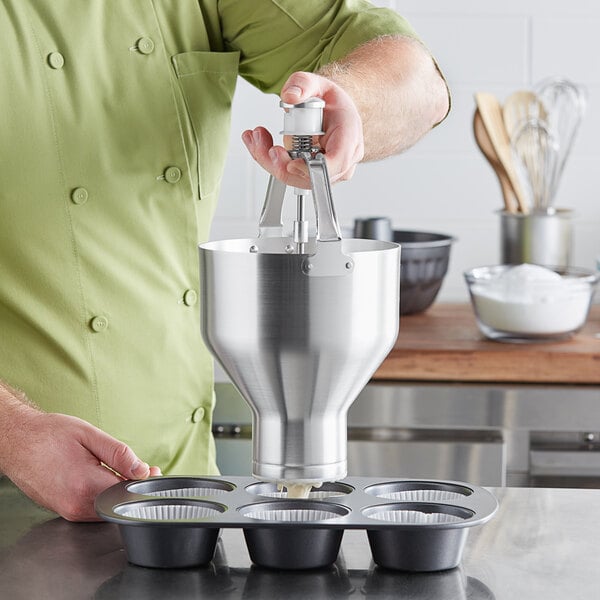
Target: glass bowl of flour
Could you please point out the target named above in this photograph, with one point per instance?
(528, 303)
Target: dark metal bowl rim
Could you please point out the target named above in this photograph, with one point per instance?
(438, 240)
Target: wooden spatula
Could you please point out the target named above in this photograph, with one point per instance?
(485, 145)
(491, 114)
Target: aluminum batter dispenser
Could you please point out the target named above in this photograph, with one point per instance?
(300, 323)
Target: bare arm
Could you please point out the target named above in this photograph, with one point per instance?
(381, 98)
(60, 461)
(398, 90)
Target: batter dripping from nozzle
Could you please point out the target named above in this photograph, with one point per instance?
(298, 490)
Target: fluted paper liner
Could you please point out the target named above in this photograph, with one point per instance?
(423, 496)
(292, 516)
(167, 512)
(415, 517)
(189, 492)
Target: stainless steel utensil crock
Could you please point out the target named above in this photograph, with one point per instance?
(540, 238)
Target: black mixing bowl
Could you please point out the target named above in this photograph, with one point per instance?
(424, 260)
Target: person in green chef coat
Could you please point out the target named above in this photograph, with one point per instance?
(114, 121)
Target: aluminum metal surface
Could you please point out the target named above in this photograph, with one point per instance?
(374, 228)
(544, 238)
(299, 348)
(300, 324)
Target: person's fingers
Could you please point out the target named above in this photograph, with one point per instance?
(274, 159)
(155, 472)
(84, 481)
(300, 86)
(342, 142)
(115, 454)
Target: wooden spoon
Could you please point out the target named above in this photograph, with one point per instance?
(518, 108)
(491, 114)
(485, 145)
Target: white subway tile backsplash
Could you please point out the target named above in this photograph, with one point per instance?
(455, 135)
(507, 7)
(567, 46)
(404, 188)
(477, 49)
(579, 188)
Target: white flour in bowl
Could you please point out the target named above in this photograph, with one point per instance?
(532, 300)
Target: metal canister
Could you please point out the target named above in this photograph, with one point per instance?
(540, 237)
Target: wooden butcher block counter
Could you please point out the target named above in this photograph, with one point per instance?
(444, 344)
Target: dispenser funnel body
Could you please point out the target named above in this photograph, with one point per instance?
(299, 347)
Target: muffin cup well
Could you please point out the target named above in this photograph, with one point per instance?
(293, 547)
(180, 487)
(168, 533)
(327, 490)
(428, 537)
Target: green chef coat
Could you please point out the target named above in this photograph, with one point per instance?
(114, 118)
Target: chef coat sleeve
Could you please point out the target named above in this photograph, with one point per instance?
(278, 37)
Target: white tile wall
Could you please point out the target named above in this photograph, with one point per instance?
(443, 183)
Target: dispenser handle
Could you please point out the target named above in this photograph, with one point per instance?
(271, 220)
(303, 121)
(328, 259)
(328, 229)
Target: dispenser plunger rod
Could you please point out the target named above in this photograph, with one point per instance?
(302, 121)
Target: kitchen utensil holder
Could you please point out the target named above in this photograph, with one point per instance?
(540, 238)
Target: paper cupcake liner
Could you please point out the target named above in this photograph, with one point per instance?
(415, 517)
(314, 495)
(166, 512)
(292, 515)
(188, 492)
(423, 496)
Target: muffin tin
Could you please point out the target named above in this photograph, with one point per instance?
(412, 525)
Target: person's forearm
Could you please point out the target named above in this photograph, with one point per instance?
(60, 461)
(14, 408)
(12, 402)
(397, 89)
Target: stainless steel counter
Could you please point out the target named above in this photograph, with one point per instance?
(542, 544)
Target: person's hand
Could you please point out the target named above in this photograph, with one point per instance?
(342, 143)
(63, 463)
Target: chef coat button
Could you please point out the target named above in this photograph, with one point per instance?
(190, 297)
(56, 60)
(198, 415)
(172, 174)
(145, 45)
(99, 324)
(79, 195)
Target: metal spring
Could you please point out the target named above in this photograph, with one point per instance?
(301, 143)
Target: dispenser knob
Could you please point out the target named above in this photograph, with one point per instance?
(305, 118)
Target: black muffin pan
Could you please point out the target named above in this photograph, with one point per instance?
(412, 525)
